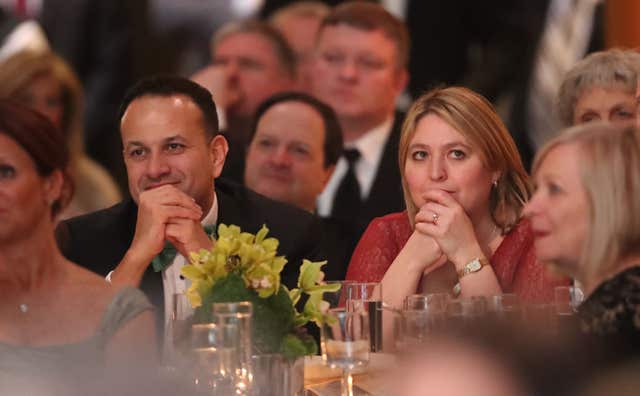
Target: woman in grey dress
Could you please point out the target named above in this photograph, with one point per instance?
(55, 316)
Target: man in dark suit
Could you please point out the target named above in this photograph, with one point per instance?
(173, 153)
(294, 144)
(360, 70)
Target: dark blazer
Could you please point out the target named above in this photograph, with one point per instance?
(99, 240)
(386, 192)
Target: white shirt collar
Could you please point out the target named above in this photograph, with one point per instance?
(371, 146)
(212, 217)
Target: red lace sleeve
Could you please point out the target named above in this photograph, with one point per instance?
(378, 247)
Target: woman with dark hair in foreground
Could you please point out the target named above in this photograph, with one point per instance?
(57, 318)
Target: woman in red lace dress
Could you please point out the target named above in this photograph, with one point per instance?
(464, 186)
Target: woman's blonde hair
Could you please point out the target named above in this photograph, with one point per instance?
(474, 118)
(609, 163)
(17, 71)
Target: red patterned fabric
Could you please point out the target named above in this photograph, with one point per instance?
(514, 262)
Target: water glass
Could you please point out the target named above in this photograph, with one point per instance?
(566, 302)
(215, 358)
(345, 343)
(567, 299)
(276, 375)
(412, 328)
(358, 292)
(176, 348)
(463, 312)
(367, 296)
(337, 298)
(237, 315)
(505, 307)
(425, 301)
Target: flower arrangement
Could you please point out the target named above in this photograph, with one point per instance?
(245, 267)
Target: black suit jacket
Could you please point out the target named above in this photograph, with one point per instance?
(386, 191)
(99, 240)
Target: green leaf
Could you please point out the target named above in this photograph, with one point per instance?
(294, 346)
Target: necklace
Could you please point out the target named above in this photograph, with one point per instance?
(24, 308)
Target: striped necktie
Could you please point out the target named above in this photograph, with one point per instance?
(565, 40)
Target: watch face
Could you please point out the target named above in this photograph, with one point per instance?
(475, 265)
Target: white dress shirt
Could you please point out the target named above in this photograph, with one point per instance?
(371, 146)
(172, 282)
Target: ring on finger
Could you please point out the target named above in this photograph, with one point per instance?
(435, 218)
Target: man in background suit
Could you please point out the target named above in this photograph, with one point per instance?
(294, 145)
(173, 155)
(251, 61)
(360, 70)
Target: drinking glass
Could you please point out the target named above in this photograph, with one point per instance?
(345, 343)
(337, 298)
(238, 314)
(413, 327)
(215, 358)
(426, 301)
(176, 347)
(421, 314)
(277, 375)
(367, 296)
(567, 299)
(505, 307)
(566, 302)
(463, 312)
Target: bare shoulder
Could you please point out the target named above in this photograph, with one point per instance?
(86, 283)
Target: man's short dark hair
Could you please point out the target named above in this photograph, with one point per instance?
(332, 130)
(165, 86)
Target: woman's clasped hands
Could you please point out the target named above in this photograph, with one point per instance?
(444, 221)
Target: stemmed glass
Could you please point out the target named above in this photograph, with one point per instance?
(345, 343)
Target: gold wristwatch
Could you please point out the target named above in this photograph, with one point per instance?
(472, 266)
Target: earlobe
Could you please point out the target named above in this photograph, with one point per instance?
(495, 179)
(53, 185)
(219, 149)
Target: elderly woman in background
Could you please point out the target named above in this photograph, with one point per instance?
(464, 187)
(601, 86)
(586, 218)
(57, 317)
(43, 81)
